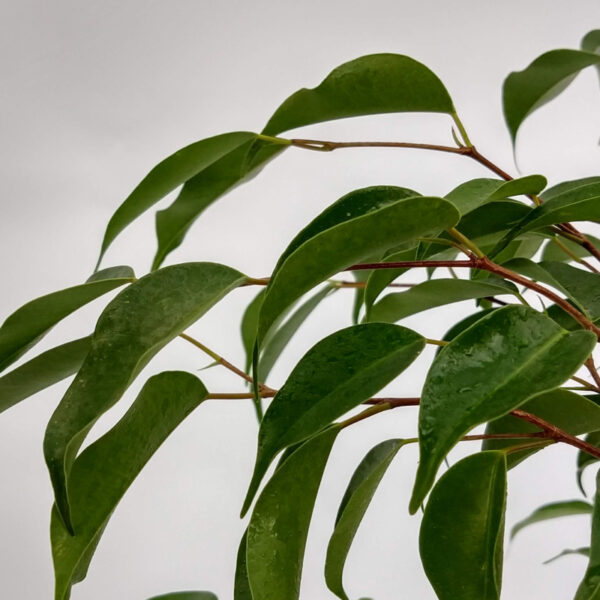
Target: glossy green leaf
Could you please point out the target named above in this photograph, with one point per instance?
(334, 376)
(465, 323)
(241, 588)
(130, 331)
(585, 551)
(356, 500)
(552, 251)
(198, 193)
(27, 325)
(42, 371)
(584, 459)
(492, 218)
(488, 370)
(373, 84)
(103, 472)
(313, 257)
(436, 292)
(169, 175)
(472, 194)
(186, 596)
(544, 79)
(589, 588)
(461, 538)
(555, 510)
(279, 525)
(571, 412)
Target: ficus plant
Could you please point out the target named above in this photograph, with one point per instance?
(522, 363)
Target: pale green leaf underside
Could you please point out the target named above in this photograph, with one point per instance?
(462, 530)
(130, 331)
(279, 524)
(103, 472)
(489, 369)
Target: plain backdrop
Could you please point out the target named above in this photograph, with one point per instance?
(93, 94)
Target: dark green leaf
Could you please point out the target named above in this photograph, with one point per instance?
(103, 472)
(485, 372)
(355, 502)
(130, 331)
(493, 217)
(380, 223)
(585, 551)
(279, 524)
(461, 539)
(27, 325)
(186, 596)
(209, 184)
(42, 371)
(169, 175)
(544, 79)
(334, 376)
(570, 412)
(465, 324)
(584, 459)
(241, 590)
(374, 84)
(437, 292)
(591, 41)
(567, 186)
(589, 589)
(555, 510)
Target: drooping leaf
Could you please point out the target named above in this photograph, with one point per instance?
(359, 295)
(570, 412)
(589, 588)
(356, 500)
(103, 472)
(491, 368)
(552, 250)
(42, 371)
(241, 588)
(198, 193)
(436, 292)
(334, 376)
(249, 326)
(27, 325)
(186, 596)
(584, 459)
(585, 551)
(472, 194)
(373, 84)
(130, 331)
(544, 79)
(279, 524)
(555, 510)
(384, 218)
(169, 175)
(461, 538)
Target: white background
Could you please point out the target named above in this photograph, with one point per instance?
(93, 94)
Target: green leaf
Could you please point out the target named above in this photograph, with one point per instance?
(241, 590)
(567, 186)
(186, 596)
(465, 323)
(276, 342)
(437, 292)
(356, 500)
(472, 194)
(493, 217)
(544, 79)
(130, 331)
(461, 538)
(334, 376)
(487, 371)
(591, 41)
(103, 472)
(565, 508)
(169, 175)
(552, 251)
(374, 84)
(359, 294)
(221, 176)
(584, 459)
(42, 371)
(382, 218)
(279, 525)
(585, 551)
(570, 412)
(589, 588)
(27, 325)
(249, 326)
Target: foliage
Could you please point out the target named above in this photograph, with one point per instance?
(507, 366)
